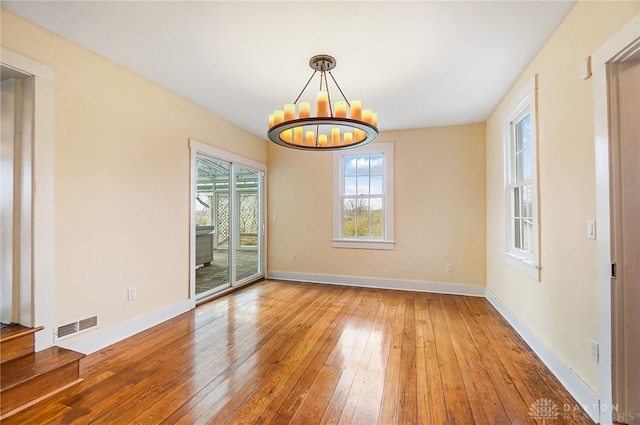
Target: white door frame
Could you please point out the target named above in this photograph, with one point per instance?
(42, 301)
(613, 50)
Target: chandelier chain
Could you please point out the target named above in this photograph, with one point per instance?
(338, 86)
(305, 87)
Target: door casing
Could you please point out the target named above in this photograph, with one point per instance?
(38, 311)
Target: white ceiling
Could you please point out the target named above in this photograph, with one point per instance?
(417, 64)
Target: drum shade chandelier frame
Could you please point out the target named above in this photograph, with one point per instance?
(344, 126)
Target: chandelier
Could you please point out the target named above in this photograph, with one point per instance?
(344, 126)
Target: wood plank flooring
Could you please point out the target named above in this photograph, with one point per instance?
(296, 353)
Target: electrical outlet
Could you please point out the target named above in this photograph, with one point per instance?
(131, 293)
(595, 351)
(293, 258)
(449, 268)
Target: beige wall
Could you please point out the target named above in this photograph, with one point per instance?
(121, 180)
(439, 210)
(562, 308)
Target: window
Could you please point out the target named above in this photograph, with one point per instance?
(521, 187)
(363, 197)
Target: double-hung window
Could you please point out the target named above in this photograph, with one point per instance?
(522, 234)
(363, 197)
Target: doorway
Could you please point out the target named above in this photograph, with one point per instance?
(624, 80)
(617, 107)
(228, 221)
(16, 192)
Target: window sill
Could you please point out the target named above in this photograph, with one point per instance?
(523, 265)
(363, 244)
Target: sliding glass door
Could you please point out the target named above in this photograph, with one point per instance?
(248, 228)
(228, 221)
(213, 223)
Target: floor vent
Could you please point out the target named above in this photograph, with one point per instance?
(73, 328)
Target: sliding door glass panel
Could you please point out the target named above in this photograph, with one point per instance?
(248, 223)
(213, 222)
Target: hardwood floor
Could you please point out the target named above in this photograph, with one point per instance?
(280, 353)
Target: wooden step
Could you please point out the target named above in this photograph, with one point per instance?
(16, 341)
(29, 379)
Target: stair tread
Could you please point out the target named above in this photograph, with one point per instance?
(15, 331)
(17, 371)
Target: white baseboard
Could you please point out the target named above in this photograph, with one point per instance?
(369, 282)
(101, 340)
(584, 395)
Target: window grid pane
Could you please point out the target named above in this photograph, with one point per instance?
(363, 185)
(363, 165)
(375, 185)
(363, 207)
(376, 165)
(349, 185)
(349, 207)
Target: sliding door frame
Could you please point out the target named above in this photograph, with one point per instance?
(235, 161)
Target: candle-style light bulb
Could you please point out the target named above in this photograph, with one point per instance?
(341, 109)
(335, 136)
(322, 104)
(297, 135)
(310, 138)
(304, 110)
(289, 112)
(286, 136)
(367, 115)
(348, 138)
(278, 117)
(356, 110)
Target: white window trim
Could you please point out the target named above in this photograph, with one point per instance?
(387, 242)
(526, 99)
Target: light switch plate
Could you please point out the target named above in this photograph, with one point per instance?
(595, 351)
(591, 229)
